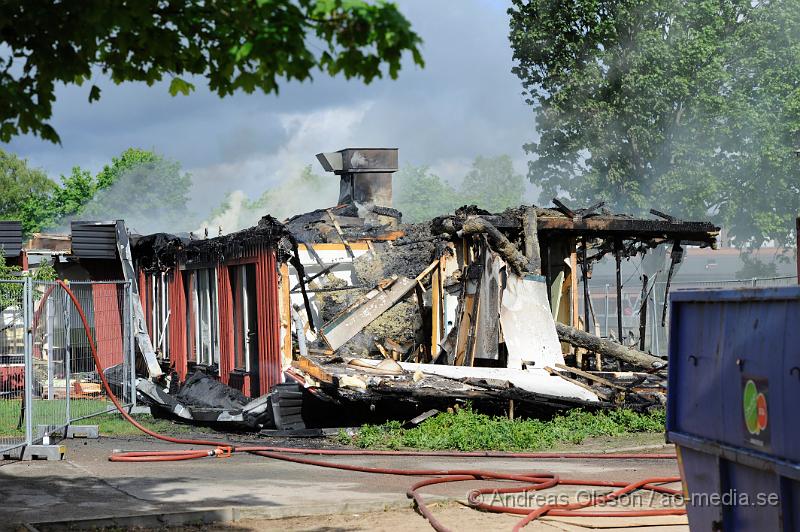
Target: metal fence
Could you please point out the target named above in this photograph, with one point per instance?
(49, 376)
(604, 306)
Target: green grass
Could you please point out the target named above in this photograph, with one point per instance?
(468, 430)
(110, 424)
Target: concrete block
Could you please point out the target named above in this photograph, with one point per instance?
(83, 431)
(139, 409)
(44, 452)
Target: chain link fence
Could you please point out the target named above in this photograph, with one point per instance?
(604, 306)
(49, 376)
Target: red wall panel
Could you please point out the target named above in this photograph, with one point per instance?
(177, 323)
(224, 296)
(107, 324)
(269, 349)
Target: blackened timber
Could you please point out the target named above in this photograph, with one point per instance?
(590, 342)
(675, 257)
(643, 312)
(531, 232)
(477, 225)
(585, 280)
(617, 250)
(600, 225)
(597, 225)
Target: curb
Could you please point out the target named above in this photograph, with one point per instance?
(151, 520)
(224, 515)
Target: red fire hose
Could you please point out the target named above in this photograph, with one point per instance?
(534, 481)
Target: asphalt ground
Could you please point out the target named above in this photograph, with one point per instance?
(86, 485)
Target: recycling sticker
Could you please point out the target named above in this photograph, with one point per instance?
(755, 410)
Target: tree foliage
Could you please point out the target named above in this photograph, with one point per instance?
(493, 184)
(420, 194)
(690, 106)
(139, 185)
(19, 184)
(235, 45)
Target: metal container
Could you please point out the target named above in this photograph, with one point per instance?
(734, 394)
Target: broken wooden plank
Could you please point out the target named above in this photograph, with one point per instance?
(384, 237)
(432, 266)
(602, 395)
(342, 328)
(314, 371)
(341, 234)
(590, 376)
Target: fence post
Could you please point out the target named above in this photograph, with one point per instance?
(67, 354)
(27, 305)
(51, 313)
(131, 347)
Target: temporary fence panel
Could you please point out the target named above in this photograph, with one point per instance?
(48, 376)
(13, 371)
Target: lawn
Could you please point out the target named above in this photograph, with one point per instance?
(54, 413)
(468, 430)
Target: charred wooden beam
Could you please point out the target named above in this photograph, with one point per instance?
(643, 312)
(590, 342)
(603, 224)
(475, 225)
(531, 235)
(569, 213)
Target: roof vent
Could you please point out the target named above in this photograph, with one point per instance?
(365, 174)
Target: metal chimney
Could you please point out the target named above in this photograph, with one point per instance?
(365, 173)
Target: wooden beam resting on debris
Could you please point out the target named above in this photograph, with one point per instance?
(576, 382)
(314, 371)
(590, 342)
(343, 327)
(475, 225)
(591, 377)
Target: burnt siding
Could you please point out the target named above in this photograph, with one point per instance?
(94, 240)
(11, 238)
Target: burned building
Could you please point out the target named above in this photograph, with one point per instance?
(357, 307)
(352, 303)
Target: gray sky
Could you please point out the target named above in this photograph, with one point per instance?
(465, 102)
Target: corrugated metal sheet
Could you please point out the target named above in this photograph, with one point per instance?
(94, 240)
(11, 238)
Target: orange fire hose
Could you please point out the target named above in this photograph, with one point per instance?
(534, 481)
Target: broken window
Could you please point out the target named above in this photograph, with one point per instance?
(243, 282)
(204, 319)
(159, 303)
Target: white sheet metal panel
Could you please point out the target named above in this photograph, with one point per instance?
(528, 326)
(531, 380)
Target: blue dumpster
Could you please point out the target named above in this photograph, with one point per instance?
(733, 406)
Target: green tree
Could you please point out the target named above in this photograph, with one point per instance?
(690, 106)
(235, 45)
(19, 184)
(492, 184)
(421, 195)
